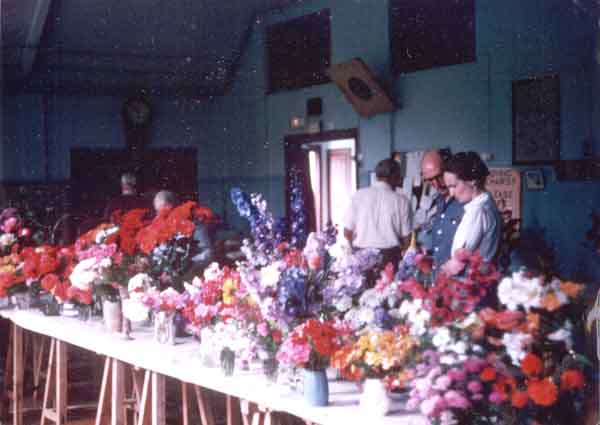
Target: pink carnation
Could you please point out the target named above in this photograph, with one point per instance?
(497, 398)
(442, 383)
(262, 329)
(475, 387)
(457, 375)
(433, 406)
(456, 400)
(474, 364)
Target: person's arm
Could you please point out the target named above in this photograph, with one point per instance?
(203, 246)
(470, 231)
(350, 223)
(404, 211)
(349, 235)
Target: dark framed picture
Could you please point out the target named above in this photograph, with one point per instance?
(536, 120)
(534, 179)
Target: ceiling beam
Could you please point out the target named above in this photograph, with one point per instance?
(38, 20)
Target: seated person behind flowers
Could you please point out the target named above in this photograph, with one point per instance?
(480, 229)
(201, 254)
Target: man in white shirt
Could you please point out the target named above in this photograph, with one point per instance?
(379, 217)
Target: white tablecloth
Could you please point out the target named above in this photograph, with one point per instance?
(183, 362)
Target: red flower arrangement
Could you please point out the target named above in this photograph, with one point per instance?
(172, 221)
(310, 345)
(452, 298)
(129, 224)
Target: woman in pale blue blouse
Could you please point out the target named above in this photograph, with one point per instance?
(480, 229)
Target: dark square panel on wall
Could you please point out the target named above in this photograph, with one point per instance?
(536, 120)
(431, 33)
(299, 52)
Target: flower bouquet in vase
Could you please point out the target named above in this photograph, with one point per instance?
(309, 346)
(268, 340)
(164, 306)
(372, 357)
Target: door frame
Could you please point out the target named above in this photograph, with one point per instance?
(294, 141)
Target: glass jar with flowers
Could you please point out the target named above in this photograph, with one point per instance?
(309, 347)
(164, 306)
(374, 355)
(268, 340)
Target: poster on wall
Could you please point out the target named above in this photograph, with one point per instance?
(505, 186)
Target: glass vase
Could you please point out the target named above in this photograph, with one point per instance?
(227, 361)
(22, 301)
(111, 312)
(270, 367)
(164, 327)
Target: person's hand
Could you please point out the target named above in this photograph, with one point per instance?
(453, 267)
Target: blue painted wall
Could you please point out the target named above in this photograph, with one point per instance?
(465, 106)
(240, 136)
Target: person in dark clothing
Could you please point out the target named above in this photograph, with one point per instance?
(446, 212)
(128, 200)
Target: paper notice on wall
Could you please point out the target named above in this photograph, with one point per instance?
(505, 186)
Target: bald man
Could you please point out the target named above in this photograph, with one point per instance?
(445, 212)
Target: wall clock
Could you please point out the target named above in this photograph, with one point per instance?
(137, 118)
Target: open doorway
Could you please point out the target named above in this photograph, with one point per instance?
(327, 162)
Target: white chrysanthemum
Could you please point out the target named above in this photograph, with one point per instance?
(270, 275)
(516, 344)
(7, 239)
(344, 303)
(366, 315)
(371, 298)
(415, 315)
(105, 263)
(518, 291)
(84, 274)
(212, 272)
(442, 339)
(134, 310)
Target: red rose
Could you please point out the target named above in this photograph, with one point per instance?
(25, 232)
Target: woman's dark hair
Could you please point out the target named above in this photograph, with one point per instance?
(468, 166)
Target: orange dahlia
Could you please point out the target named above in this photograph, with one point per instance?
(532, 365)
(519, 399)
(488, 374)
(571, 379)
(543, 392)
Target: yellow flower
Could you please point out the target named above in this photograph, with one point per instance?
(229, 289)
(9, 268)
